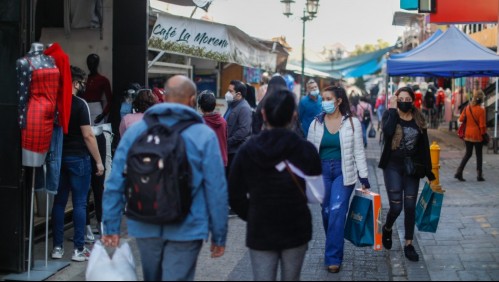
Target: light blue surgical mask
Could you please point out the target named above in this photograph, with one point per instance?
(329, 107)
(315, 93)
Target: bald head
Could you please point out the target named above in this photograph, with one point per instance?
(181, 90)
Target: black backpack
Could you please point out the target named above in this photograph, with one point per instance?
(366, 116)
(158, 174)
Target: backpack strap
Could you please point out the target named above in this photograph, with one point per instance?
(183, 125)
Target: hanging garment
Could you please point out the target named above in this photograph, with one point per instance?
(38, 88)
(97, 87)
(65, 94)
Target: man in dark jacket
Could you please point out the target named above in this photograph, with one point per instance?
(238, 117)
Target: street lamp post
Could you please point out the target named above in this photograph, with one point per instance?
(309, 13)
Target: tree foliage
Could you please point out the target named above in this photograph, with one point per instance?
(369, 48)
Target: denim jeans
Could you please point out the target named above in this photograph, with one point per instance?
(164, 260)
(365, 125)
(334, 210)
(402, 192)
(49, 180)
(75, 178)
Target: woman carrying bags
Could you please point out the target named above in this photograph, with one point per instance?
(405, 160)
(338, 138)
(476, 128)
(269, 197)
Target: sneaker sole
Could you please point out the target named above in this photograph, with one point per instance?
(56, 257)
(79, 259)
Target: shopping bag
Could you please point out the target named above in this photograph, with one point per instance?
(363, 226)
(101, 267)
(428, 209)
(315, 190)
(372, 132)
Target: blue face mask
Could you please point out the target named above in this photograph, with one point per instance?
(328, 107)
(315, 93)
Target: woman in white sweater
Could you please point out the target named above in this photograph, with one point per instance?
(338, 138)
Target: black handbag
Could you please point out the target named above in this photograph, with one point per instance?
(414, 167)
(372, 132)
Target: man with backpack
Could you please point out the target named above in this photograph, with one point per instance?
(365, 115)
(168, 173)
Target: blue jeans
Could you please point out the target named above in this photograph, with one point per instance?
(49, 180)
(365, 125)
(164, 260)
(75, 177)
(334, 210)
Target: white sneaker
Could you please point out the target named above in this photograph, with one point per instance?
(81, 256)
(57, 253)
(89, 236)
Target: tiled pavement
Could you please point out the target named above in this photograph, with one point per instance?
(465, 247)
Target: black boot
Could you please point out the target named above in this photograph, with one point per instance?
(387, 238)
(459, 175)
(480, 176)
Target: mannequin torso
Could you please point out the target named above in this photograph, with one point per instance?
(38, 84)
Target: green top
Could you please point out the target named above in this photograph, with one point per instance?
(330, 148)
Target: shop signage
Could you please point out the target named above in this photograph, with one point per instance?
(211, 41)
(465, 11)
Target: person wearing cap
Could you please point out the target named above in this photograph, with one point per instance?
(476, 128)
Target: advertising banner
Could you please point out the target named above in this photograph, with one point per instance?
(465, 11)
(209, 40)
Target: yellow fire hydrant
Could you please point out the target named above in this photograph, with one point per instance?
(435, 162)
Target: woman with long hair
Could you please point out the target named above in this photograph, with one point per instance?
(338, 139)
(405, 160)
(271, 199)
(476, 127)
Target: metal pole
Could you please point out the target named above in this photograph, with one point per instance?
(304, 19)
(496, 110)
(47, 230)
(30, 247)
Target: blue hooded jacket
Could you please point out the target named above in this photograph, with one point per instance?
(209, 211)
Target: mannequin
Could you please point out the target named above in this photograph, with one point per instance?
(39, 86)
(98, 87)
(38, 83)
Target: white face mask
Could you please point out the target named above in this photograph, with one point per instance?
(229, 97)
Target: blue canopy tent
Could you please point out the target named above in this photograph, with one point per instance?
(421, 46)
(452, 54)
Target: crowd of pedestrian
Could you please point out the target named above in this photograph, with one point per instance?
(242, 162)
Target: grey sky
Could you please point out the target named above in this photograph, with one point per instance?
(349, 22)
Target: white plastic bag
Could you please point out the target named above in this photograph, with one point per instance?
(101, 267)
(315, 190)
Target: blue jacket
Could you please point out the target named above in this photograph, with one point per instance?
(308, 110)
(209, 211)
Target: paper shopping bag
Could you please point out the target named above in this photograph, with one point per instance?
(363, 227)
(428, 209)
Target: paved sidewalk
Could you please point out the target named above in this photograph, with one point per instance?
(465, 247)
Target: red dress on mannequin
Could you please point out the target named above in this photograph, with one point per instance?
(43, 89)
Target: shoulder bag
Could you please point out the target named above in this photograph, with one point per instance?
(485, 137)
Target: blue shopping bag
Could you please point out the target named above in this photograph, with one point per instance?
(359, 228)
(428, 209)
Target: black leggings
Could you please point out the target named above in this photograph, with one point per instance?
(97, 182)
(401, 187)
(469, 153)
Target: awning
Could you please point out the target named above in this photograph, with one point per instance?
(486, 37)
(208, 40)
(311, 72)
